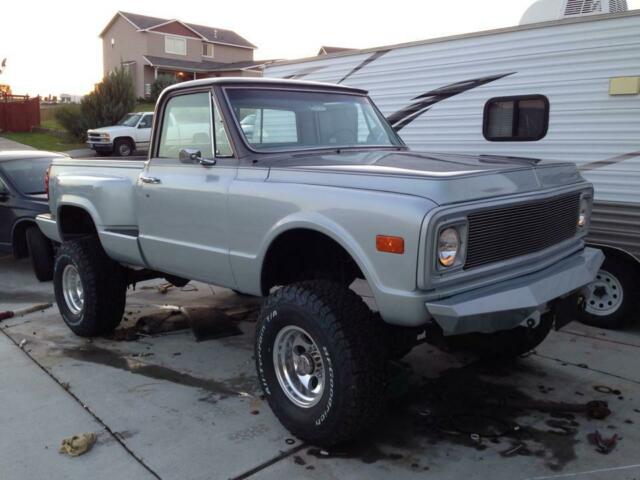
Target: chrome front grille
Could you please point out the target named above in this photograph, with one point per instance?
(508, 232)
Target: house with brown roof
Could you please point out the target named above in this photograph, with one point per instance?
(150, 47)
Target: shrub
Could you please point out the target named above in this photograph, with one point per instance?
(160, 84)
(71, 119)
(111, 100)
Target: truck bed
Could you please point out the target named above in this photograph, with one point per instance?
(110, 184)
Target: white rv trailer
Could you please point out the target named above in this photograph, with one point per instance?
(565, 87)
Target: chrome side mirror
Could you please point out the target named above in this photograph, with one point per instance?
(193, 155)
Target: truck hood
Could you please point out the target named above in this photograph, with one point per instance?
(112, 130)
(442, 178)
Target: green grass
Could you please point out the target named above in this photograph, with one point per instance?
(52, 124)
(145, 107)
(43, 141)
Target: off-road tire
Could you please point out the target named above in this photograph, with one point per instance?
(505, 344)
(41, 253)
(626, 274)
(119, 143)
(104, 283)
(344, 329)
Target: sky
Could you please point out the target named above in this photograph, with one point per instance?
(52, 47)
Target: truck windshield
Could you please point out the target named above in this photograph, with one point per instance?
(27, 175)
(279, 120)
(130, 120)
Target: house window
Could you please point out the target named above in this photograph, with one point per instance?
(516, 119)
(175, 45)
(207, 50)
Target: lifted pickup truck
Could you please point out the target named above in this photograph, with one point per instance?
(318, 193)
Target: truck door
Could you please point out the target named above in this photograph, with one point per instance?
(143, 132)
(182, 192)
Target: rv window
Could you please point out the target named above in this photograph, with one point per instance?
(516, 119)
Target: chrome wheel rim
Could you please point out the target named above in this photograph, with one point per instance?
(124, 150)
(72, 289)
(299, 366)
(605, 295)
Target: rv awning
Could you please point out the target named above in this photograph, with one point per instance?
(189, 66)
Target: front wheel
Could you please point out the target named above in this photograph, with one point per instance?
(123, 147)
(318, 361)
(612, 298)
(90, 288)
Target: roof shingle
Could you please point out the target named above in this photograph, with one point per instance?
(210, 34)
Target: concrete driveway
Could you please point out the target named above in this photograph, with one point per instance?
(6, 144)
(166, 405)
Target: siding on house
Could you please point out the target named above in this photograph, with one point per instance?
(131, 46)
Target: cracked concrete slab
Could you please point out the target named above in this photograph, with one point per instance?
(36, 414)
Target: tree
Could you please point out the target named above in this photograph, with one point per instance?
(159, 84)
(111, 100)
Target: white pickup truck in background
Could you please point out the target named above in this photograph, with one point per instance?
(131, 133)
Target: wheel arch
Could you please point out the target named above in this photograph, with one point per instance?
(19, 237)
(127, 138)
(313, 235)
(75, 221)
(619, 254)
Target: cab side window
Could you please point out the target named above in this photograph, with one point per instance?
(187, 123)
(223, 147)
(146, 121)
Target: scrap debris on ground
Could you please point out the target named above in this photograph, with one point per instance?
(78, 444)
(603, 445)
(25, 311)
(206, 322)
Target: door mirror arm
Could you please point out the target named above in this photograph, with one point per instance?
(193, 155)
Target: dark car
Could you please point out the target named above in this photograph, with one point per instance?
(22, 197)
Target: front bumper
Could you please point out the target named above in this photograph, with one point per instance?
(100, 146)
(508, 304)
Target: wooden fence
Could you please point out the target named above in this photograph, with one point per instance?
(19, 113)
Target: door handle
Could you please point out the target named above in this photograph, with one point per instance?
(152, 180)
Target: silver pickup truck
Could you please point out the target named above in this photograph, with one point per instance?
(294, 190)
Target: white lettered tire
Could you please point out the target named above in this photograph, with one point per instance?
(320, 361)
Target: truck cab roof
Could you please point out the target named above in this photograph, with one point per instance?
(266, 82)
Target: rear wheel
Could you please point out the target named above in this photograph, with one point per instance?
(123, 147)
(90, 288)
(317, 361)
(41, 253)
(612, 299)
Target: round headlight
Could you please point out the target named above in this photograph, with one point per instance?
(583, 217)
(448, 246)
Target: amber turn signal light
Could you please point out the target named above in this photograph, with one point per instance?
(385, 243)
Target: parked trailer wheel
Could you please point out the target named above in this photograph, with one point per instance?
(318, 363)
(90, 288)
(41, 253)
(612, 299)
